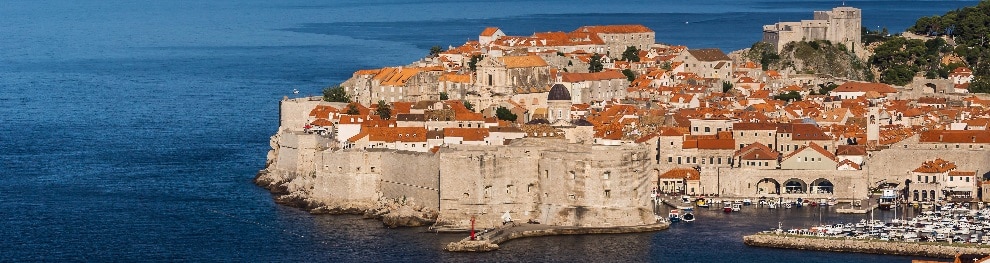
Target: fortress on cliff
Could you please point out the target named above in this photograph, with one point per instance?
(841, 25)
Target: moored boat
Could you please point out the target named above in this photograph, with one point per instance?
(727, 207)
(674, 215)
(688, 217)
(736, 207)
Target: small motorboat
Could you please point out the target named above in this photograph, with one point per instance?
(787, 205)
(688, 217)
(674, 215)
(772, 205)
(747, 201)
(736, 207)
(701, 202)
(727, 207)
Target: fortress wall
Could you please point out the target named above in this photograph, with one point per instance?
(538, 183)
(896, 164)
(296, 152)
(346, 176)
(410, 176)
(294, 113)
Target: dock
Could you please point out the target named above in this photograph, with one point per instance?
(871, 246)
(491, 240)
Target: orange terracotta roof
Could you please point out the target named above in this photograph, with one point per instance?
(756, 151)
(468, 134)
(814, 147)
(401, 134)
(527, 61)
(850, 163)
(615, 29)
(966, 136)
(489, 31)
(456, 78)
(962, 173)
(323, 111)
(856, 150)
(597, 76)
(936, 166)
(853, 86)
(682, 173)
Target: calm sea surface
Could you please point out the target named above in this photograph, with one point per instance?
(131, 130)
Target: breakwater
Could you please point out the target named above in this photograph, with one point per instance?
(490, 241)
(920, 249)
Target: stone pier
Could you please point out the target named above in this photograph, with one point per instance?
(490, 241)
(920, 249)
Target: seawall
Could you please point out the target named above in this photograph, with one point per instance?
(920, 249)
(491, 241)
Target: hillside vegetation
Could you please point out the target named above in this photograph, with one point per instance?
(969, 28)
(812, 57)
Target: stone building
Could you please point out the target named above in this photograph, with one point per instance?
(502, 74)
(617, 38)
(599, 86)
(708, 63)
(841, 25)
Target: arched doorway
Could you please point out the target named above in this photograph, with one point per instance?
(767, 186)
(822, 186)
(795, 186)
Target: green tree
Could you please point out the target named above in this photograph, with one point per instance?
(505, 114)
(444, 96)
(473, 64)
(825, 88)
(435, 51)
(980, 85)
(726, 86)
(384, 110)
(630, 75)
(468, 105)
(352, 109)
(764, 53)
(335, 94)
(631, 54)
(595, 64)
(790, 96)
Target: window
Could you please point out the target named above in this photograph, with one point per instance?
(608, 193)
(707, 129)
(670, 159)
(606, 175)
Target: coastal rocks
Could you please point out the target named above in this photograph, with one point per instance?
(922, 249)
(471, 246)
(295, 191)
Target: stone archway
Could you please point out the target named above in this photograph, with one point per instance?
(795, 186)
(767, 186)
(822, 186)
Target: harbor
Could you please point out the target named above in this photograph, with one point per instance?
(942, 231)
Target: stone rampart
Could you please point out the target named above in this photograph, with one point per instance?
(923, 249)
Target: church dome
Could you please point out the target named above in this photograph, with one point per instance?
(559, 92)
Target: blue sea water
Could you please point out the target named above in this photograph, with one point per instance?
(130, 130)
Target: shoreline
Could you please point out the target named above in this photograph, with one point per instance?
(920, 249)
